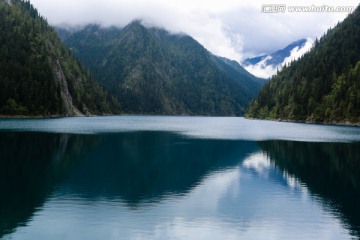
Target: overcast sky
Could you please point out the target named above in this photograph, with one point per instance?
(231, 28)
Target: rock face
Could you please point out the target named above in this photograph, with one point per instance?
(60, 79)
(38, 75)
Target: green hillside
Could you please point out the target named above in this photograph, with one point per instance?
(323, 86)
(154, 72)
(38, 75)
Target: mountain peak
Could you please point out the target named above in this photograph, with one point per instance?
(298, 42)
(277, 57)
(267, 65)
(135, 27)
(152, 71)
(137, 23)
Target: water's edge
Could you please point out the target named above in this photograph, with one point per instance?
(333, 123)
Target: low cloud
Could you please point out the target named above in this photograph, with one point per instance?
(263, 70)
(298, 52)
(233, 29)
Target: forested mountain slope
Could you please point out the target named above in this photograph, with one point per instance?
(323, 86)
(154, 72)
(38, 75)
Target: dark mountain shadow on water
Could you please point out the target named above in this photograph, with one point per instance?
(331, 171)
(146, 167)
(31, 165)
(136, 168)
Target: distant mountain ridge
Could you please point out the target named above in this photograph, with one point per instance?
(38, 75)
(154, 72)
(277, 57)
(267, 65)
(322, 86)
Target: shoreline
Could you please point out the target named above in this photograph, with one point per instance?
(47, 116)
(108, 115)
(32, 117)
(27, 117)
(346, 123)
(333, 123)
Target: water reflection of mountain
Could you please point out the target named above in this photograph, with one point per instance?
(143, 167)
(133, 167)
(329, 170)
(146, 166)
(31, 164)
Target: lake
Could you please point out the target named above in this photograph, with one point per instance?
(133, 177)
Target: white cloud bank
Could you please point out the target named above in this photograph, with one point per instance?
(263, 70)
(235, 29)
(298, 52)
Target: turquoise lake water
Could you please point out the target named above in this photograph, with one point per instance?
(133, 177)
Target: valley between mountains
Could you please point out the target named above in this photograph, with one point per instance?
(137, 69)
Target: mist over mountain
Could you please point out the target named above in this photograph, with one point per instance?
(152, 71)
(322, 86)
(267, 65)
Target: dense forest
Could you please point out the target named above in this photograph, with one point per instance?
(323, 86)
(38, 74)
(154, 72)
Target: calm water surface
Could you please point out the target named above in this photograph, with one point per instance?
(177, 178)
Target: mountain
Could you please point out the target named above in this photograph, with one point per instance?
(277, 57)
(38, 75)
(154, 72)
(267, 65)
(322, 86)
